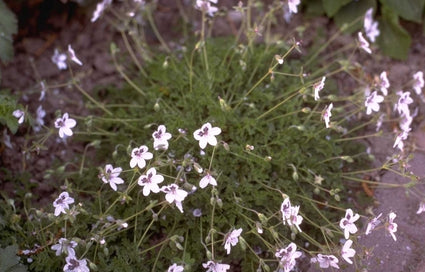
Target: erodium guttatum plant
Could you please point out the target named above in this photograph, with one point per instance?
(217, 154)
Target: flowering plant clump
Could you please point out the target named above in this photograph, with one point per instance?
(220, 154)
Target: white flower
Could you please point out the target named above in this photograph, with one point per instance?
(215, 267)
(62, 202)
(150, 181)
(326, 261)
(207, 179)
(20, 115)
(363, 43)
(384, 84)
(111, 175)
(64, 246)
(75, 265)
(72, 55)
(287, 257)
(370, 26)
(205, 6)
(99, 9)
(400, 138)
(421, 207)
(391, 226)
(206, 135)
(232, 239)
(403, 103)
(294, 218)
(160, 138)
(347, 223)
(418, 83)
(175, 268)
(347, 252)
(285, 209)
(60, 60)
(326, 115)
(318, 87)
(292, 5)
(139, 155)
(173, 193)
(372, 102)
(64, 125)
(372, 224)
(39, 119)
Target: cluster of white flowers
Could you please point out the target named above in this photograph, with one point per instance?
(390, 225)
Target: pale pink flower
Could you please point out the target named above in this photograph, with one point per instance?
(293, 5)
(64, 246)
(205, 6)
(173, 193)
(364, 44)
(206, 135)
(326, 115)
(232, 239)
(347, 223)
(384, 83)
(175, 268)
(391, 226)
(288, 257)
(64, 125)
(62, 202)
(207, 179)
(401, 137)
(421, 208)
(318, 87)
(72, 55)
(285, 209)
(39, 119)
(75, 265)
(150, 181)
(160, 138)
(418, 83)
(60, 60)
(139, 156)
(20, 115)
(347, 252)
(373, 224)
(111, 175)
(326, 261)
(372, 102)
(99, 9)
(295, 219)
(403, 103)
(371, 26)
(215, 267)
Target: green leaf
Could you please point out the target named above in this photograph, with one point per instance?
(9, 262)
(394, 39)
(411, 10)
(7, 106)
(331, 7)
(8, 27)
(353, 11)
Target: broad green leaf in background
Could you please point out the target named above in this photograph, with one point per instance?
(8, 27)
(7, 106)
(394, 40)
(352, 11)
(331, 7)
(411, 10)
(9, 261)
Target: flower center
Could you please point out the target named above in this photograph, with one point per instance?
(73, 264)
